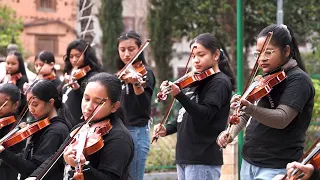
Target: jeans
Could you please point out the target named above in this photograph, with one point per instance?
(252, 172)
(198, 172)
(141, 140)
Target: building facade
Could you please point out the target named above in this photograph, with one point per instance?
(48, 25)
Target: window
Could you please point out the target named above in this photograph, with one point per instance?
(46, 42)
(46, 5)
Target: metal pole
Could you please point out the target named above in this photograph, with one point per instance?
(239, 71)
(279, 12)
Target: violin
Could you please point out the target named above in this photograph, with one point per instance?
(312, 156)
(80, 73)
(261, 90)
(135, 68)
(258, 90)
(12, 79)
(77, 74)
(186, 81)
(88, 140)
(7, 121)
(139, 67)
(93, 139)
(49, 77)
(25, 132)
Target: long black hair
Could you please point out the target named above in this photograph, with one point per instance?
(90, 57)
(125, 36)
(46, 90)
(113, 87)
(211, 43)
(19, 57)
(283, 36)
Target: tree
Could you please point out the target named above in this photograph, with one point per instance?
(10, 26)
(112, 25)
(160, 24)
(218, 18)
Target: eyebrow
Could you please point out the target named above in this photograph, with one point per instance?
(126, 47)
(97, 98)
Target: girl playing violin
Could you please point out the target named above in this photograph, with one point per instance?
(136, 100)
(44, 65)
(80, 58)
(44, 101)
(204, 112)
(9, 101)
(112, 161)
(16, 74)
(277, 129)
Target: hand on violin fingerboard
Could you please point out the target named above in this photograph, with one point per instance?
(136, 79)
(70, 157)
(235, 102)
(169, 88)
(306, 169)
(71, 82)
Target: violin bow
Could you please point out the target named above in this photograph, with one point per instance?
(61, 150)
(169, 108)
(251, 77)
(129, 64)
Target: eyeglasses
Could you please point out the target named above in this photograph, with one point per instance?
(267, 54)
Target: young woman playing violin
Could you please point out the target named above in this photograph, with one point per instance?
(204, 112)
(44, 101)
(44, 64)
(80, 64)
(100, 103)
(16, 74)
(136, 100)
(9, 102)
(276, 131)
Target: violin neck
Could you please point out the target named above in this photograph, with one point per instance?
(313, 153)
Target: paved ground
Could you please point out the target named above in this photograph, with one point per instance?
(161, 176)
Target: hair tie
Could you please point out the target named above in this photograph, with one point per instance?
(221, 53)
